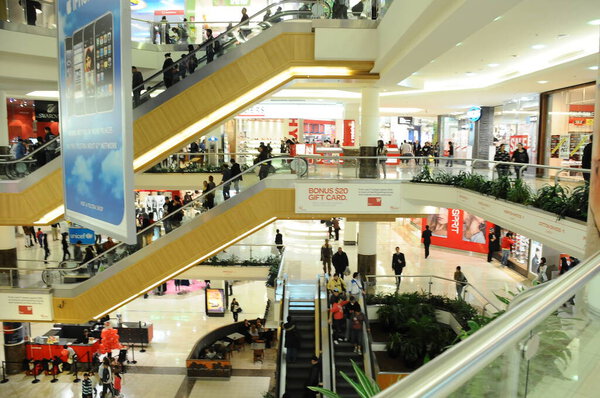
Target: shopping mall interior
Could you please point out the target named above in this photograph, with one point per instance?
(299, 199)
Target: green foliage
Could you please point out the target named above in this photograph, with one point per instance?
(519, 193)
(364, 386)
(251, 262)
(500, 187)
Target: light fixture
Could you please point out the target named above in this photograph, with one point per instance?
(497, 19)
(47, 94)
(594, 22)
(538, 46)
(493, 65)
(51, 215)
(542, 81)
(399, 110)
(459, 44)
(562, 36)
(595, 67)
(470, 73)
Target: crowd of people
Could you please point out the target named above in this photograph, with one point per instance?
(51, 148)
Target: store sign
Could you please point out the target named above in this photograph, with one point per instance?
(343, 198)
(25, 306)
(518, 139)
(474, 113)
(46, 111)
(96, 129)
(405, 120)
(83, 235)
(349, 133)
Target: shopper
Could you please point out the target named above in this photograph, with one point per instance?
(502, 156)
(38, 236)
(336, 318)
(235, 309)
(211, 45)
(244, 30)
(292, 340)
(168, 70)
(398, 264)
(381, 153)
(519, 156)
(87, 390)
(450, 161)
(264, 166)
(105, 375)
(426, 236)
(340, 262)
(45, 247)
(541, 271)
(137, 83)
(226, 176)
(335, 283)
(356, 323)
(314, 376)
(326, 255)
(586, 159)
(77, 254)
(236, 171)
(349, 310)
(279, 241)
(461, 281)
(506, 244)
(355, 287)
(55, 232)
(491, 244)
(117, 383)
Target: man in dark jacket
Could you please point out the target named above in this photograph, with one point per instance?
(226, 173)
(586, 159)
(31, 8)
(519, 156)
(340, 262)
(292, 340)
(137, 85)
(314, 377)
(398, 264)
(426, 236)
(236, 171)
(168, 74)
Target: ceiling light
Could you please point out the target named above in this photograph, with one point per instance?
(399, 110)
(595, 67)
(538, 46)
(459, 44)
(470, 73)
(594, 22)
(542, 81)
(497, 19)
(493, 65)
(562, 36)
(47, 94)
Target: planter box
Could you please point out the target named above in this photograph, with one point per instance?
(224, 272)
(372, 312)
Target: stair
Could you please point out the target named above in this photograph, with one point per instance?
(303, 313)
(343, 352)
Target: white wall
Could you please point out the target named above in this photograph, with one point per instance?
(346, 44)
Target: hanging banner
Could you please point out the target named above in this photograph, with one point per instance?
(344, 198)
(96, 130)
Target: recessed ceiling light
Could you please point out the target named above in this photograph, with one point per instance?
(562, 36)
(493, 65)
(459, 44)
(470, 73)
(497, 19)
(594, 22)
(542, 81)
(595, 67)
(48, 94)
(538, 46)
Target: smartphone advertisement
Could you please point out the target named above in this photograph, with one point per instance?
(96, 126)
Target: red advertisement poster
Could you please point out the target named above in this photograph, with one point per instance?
(516, 139)
(458, 229)
(349, 132)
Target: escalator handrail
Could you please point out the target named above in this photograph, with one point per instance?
(327, 354)
(197, 200)
(367, 343)
(233, 29)
(27, 157)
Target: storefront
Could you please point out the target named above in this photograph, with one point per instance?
(567, 121)
(397, 129)
(460, 130)
(516, 121)
(27, 118)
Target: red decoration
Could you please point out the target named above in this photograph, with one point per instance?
(110, 340)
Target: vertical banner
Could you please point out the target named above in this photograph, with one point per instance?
(95, 104)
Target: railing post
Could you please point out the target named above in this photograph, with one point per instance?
(430, 283)
(76, 371)
(133, 361)
(35, 379)
(521, 171)
(4, 378)
(556, 175)
(142, 349)
(338, 168)
(494, 171)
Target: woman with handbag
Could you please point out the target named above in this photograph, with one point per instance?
(235, 309)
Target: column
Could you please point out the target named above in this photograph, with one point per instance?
(369, 131)
(4, 141)
(592, 243)
(367, 247)
(350, 231)
(8, 252)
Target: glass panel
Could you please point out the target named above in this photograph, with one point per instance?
(30, 158)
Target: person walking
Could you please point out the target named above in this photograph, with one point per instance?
(38, 236)
(357, 319)
(506, 244)
(236, 171)
(381, 153)
(65, 246)
(326, 255)
(292, 340)
(105, 375)
(336, 319)
(519, 156)
(168, 70)
(235, 309)
(210, 47)
(426, 236)
(192, 61)
(340, 262)
(398, 264)
(542, 271)
(263, 155)
(491, 244)
(450, 161)
(314, 377)
(335, 223)
(45, 247)
(279, 241)
(137, 84)
(244, 23)
(502, 156)
(226, 176)
(586, 159)
(355, 288)
(87, 389)
(461, 281)
(55, 232)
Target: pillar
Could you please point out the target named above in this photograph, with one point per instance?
(483, 134)
(592, 243)
(350, 231)
(4, 141)
(367, 247)
(8, 252)
(369, 131)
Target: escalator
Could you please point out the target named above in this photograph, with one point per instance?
(253, 63)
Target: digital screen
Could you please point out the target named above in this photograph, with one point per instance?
(215, 301)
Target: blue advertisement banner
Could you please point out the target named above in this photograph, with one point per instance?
(95, 107)
(83, 235)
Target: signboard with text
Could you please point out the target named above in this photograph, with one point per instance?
(96, 129)
(458, 229)
(25, 306)
(343, 198)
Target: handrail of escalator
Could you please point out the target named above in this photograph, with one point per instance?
(327, 354)
(231, 33)
(29, 159)
(112, 251)
(367, 339)
(285, 304)
(456, 366)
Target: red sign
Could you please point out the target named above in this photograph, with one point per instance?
(374, 201)
(349, 133)
(25, 310)
(518, 139)
(293, 128)
(168, 12)
(580, 114)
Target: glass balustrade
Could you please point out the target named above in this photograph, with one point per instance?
(31, 159)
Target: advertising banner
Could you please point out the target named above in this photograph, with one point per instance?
(83, 235)
(458, 229)
(215, 302)
(96, 129)
(25, 306)
(344, 198)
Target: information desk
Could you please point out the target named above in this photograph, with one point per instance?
(85, 352)
(129, 332)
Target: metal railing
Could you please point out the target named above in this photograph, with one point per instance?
(327, 362)
(514, 330)
(18, 168)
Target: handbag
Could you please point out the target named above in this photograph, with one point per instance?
(239, 310)
(347, 271)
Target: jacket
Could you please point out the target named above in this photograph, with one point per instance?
(337, 309)
(340, 261)
(520, 157)
(326, 253)
(354, 287)
(398, 262)
(335, 284)
(236, 171)
(426, 236)
(586, 159)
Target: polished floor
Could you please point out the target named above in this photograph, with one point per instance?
(180, 320)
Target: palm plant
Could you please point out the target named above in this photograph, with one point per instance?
(364, 386)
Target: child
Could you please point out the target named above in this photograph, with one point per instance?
(117, 384)
(86, 386)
